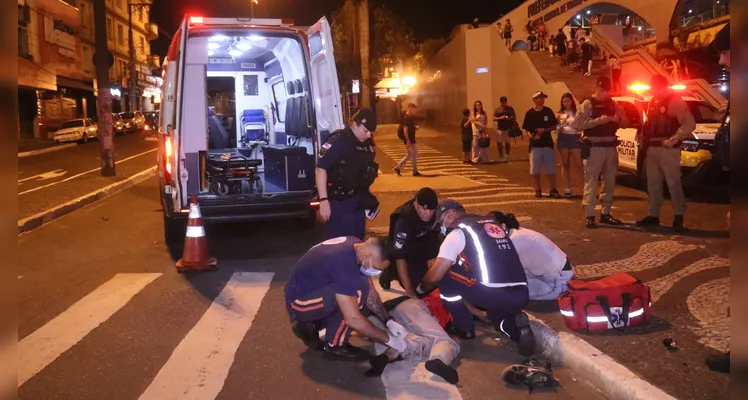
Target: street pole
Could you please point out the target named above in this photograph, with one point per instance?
(363, 26)
(252, 8)
(104, 96)
(132, 82)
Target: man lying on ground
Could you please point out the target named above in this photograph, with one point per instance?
(424, 319)
(547, 267)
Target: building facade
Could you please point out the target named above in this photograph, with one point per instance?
(56, 74)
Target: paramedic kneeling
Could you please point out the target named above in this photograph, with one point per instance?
(547, 268)
(478, 263)
(329, 287)
(345, 170)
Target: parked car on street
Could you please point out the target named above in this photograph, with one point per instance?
(134, 121)
(76, 130)
(118, 124)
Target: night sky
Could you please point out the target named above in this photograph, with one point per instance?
(428, 18)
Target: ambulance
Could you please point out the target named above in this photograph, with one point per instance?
(246, 104)
(696, 152)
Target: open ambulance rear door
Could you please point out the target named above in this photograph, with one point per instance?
(325, 87)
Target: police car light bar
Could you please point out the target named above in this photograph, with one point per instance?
(640, 87)
(196, 20)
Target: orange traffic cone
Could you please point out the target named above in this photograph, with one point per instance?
(196, 256)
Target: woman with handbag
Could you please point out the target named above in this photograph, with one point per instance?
(481, 141)
(569, 147)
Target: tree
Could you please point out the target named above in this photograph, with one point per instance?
(427, 50)
(345, 42)
(392, 41)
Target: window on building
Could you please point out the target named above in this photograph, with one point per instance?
(142, 45)
(140, 14)
(23, 42)
(120, 34)
(84, 15)
(109, 29)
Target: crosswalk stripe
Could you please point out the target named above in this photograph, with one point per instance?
(511, 202)
(198, 367)
(494, 195)
(47, 343)
(504, 186)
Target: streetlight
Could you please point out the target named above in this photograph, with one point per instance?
(132, 82)
(252, 7)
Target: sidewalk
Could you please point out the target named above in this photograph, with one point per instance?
(687, 273)
(27, 145)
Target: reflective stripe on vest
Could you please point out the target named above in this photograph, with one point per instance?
(482, 265)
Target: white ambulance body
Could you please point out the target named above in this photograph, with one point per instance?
(246, 103)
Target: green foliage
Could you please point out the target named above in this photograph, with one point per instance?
(345, 43)
(392, 41)
(426, 52)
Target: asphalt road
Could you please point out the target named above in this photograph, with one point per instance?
(47, 180)
(103, 313)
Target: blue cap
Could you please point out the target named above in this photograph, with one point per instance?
(445, 206)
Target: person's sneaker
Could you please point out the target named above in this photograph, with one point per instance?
(554, 194)
(591, 223)
(648, 221)
(538, 193)
(417, 174)
(567, 192)
(309, 334)
(462, 335)
(678, 223)
(608, 219)
(345, 352)
(446, 372)
(397, 170)
(378, 364)
(526, 339)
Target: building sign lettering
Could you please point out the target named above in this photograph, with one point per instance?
(542, 5)
(62, 35)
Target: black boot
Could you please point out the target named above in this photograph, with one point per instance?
(309, 334)
(526, 338)
(462, 335)
(648, 221)
(345, 352)
(678, 223)
(608, 219)
(719, 362)
(591, 223)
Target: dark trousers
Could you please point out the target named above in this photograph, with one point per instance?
(346, 219)
(501, 304)
(417, 256)
(321, 307)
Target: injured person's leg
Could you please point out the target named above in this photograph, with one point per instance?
(426, 340)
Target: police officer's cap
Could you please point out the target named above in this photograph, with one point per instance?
(426, 197)
(445, 206)
(366, 118)
(721, 41)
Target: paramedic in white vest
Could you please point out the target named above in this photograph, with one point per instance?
(547, 268)
(477, 263)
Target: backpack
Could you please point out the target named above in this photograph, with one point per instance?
(613, 302)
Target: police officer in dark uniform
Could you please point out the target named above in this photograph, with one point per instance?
(600, 117)
(669, 122)
(478, 264)
(416, 242)
(330, 286)
(345, 170)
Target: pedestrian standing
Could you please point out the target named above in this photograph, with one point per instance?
(480, 155)
(586, 63)
(505, 118)
(467, 136)
(600, 117)
(345, 171)
(669, 122)
(508, 29)
(615, 73)
(407, 132)
(568, 144)
(560, 40)
(539, 122)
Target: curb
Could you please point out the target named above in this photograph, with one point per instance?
(605, 374)
(47, 150)
(35, 221)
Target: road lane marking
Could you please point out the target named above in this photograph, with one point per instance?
(462, 199)
(198, 367)
(84, 173)
(47, 343)
(513, 202)
(44, 176)
(501, 186)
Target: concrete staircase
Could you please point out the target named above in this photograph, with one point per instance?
(551, 69)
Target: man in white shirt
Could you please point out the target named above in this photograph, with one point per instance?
(546, 266)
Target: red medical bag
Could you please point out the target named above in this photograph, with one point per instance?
(614, 302)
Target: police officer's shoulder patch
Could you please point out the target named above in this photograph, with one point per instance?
(323, 150)
(400, 240)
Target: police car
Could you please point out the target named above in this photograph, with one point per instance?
(696, 153)
(278, 88)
